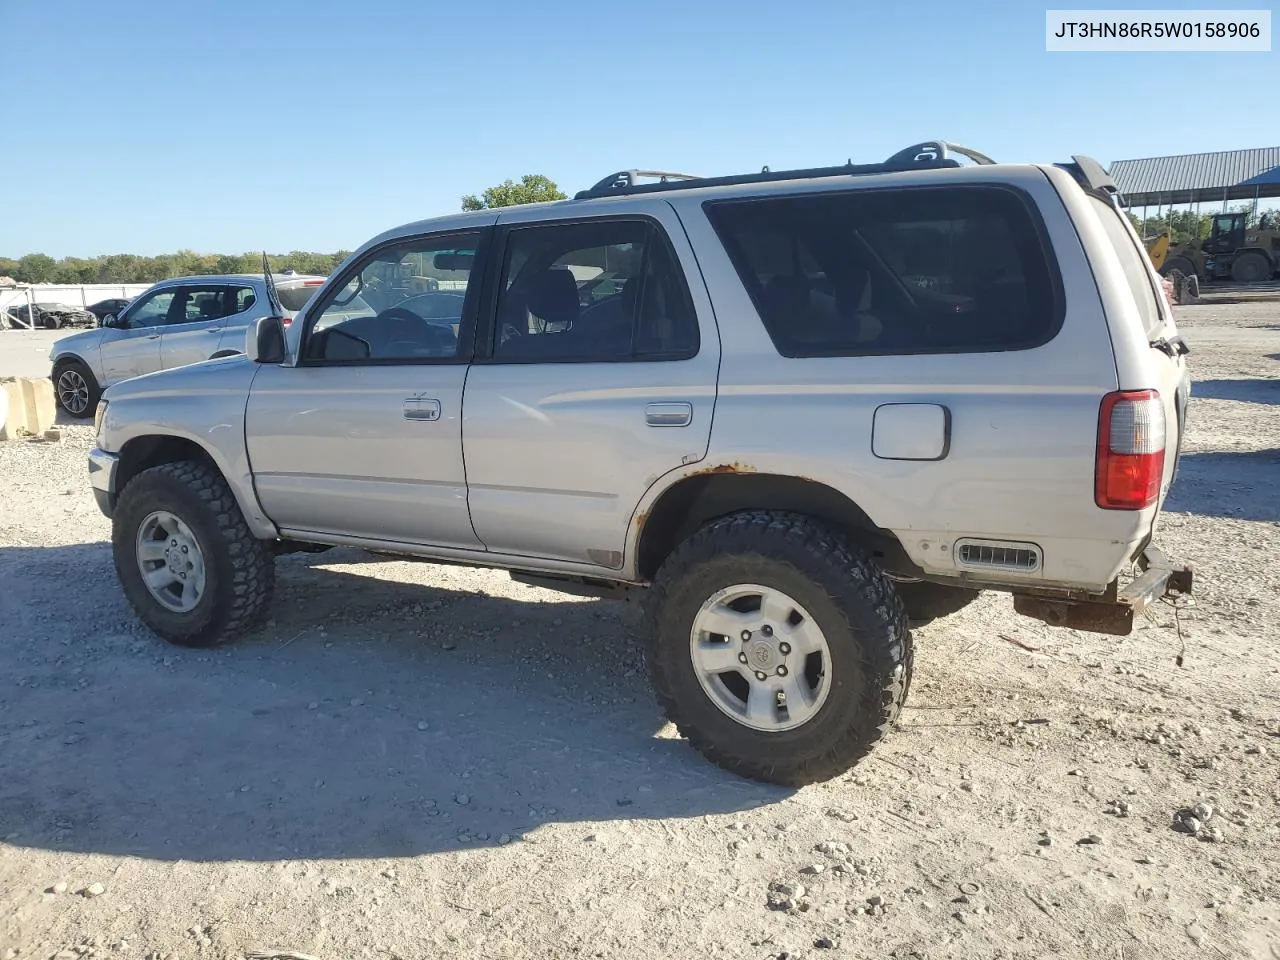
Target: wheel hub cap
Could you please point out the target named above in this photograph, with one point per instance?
(170, 561)
(760, 657)
(73, 391)
(762, 654)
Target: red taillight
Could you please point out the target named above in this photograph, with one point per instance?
(1130, 450)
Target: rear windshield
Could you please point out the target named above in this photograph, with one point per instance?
(294, 299)
(1134, 264)
(919, 270)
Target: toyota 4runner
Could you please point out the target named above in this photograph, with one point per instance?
(794, 412)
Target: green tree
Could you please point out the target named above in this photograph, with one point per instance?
(36, 268)
(532, 188)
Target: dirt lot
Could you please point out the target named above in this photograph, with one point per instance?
(416, 761)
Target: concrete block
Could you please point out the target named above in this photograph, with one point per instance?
(42, 408)
(15, 420)
(30, 408)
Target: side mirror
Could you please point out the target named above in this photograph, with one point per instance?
(265, 341)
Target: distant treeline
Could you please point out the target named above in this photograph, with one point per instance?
(127, 268)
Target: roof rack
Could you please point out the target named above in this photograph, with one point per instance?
(927, 155)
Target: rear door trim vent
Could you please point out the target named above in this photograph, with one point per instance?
(1008, 556)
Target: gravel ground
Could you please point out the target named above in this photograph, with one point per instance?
(417, 761)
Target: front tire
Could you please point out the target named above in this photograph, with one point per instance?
(760, 604)
(76, 389)
(185, 557)
(1177, 263)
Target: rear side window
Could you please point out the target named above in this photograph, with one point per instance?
(1134, 265)
(922, 270)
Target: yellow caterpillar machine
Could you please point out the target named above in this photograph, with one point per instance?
(1232, 251)
(1158, 249)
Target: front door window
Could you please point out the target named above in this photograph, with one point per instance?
(151, 311)
(403, 304)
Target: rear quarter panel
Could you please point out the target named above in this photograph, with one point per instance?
(1023, 423)
(1138, 365)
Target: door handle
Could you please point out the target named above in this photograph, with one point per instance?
(421, 408)
(154, 336)
(677, 414)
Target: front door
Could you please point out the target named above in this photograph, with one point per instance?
(361, 435)
(599, 379)
(132, 347)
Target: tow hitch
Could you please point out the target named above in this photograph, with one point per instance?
(1113, 613)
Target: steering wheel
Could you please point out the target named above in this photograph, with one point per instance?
(433, 337)
(400, 313)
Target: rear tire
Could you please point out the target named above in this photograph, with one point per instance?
(76, 389)
(1250, 268)
(926, 602)
(181, 520)
(832, 589)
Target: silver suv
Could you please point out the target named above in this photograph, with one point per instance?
(793, 412)
(176, 322)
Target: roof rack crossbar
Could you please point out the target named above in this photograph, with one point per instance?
(927, 155)
(625, 180)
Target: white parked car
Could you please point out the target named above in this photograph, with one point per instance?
(176, 322)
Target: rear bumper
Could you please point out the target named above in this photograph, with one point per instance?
(102, 477)
(1113, 613)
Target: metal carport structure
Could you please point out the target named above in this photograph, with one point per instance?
(1194, 178)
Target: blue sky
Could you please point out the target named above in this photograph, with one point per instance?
(314, 124)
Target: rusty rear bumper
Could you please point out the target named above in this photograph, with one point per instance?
(1113, 613)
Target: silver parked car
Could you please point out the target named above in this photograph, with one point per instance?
(804, 411)
(176, 322)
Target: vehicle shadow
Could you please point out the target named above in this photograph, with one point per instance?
(370, 717)
(1244, 391)
(1243, 485)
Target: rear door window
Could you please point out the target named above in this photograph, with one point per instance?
(921, 270)
(593, 291)
(204, 304)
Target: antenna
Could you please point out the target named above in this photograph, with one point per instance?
(277, 308)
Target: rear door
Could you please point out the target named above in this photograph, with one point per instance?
(197, 321)
(587, 393)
